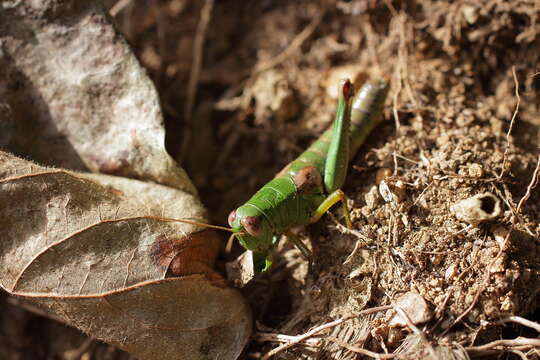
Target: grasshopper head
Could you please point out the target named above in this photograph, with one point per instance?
(252, 229)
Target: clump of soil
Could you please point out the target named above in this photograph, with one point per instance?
(461, 119)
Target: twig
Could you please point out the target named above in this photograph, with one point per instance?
(422, 194)
(466, 228)
(119, 6)
(281, 338)
(353, 253)
(462, 351)
(521, 355)
(344, 229)
(294, 45)
(521, 321)
(299, 338)
(363, 351)
(206, 14)
(516, 84)
(519, 343)
(532, 185)
(405, 158)
(394, 157)
(198, 47)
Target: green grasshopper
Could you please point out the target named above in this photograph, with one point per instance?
(306, 188)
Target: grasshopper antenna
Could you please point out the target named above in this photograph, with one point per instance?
(191, 222)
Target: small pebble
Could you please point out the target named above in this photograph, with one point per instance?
(414, 306)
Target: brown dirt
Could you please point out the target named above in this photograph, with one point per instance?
(446, 136)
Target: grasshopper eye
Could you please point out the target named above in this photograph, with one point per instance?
(252, 224)
(347, 89)
(232, 218)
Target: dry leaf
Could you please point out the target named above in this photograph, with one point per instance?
(96, 250)
(101, 252)
(78, 95)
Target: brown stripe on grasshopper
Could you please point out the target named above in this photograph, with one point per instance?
(307, 180)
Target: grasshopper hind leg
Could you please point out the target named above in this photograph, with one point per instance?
(330, 201)
(337, 158)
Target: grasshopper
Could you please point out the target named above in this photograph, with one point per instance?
(310, 185)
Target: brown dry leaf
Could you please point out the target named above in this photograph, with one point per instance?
(95, 250)
(78, 95)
